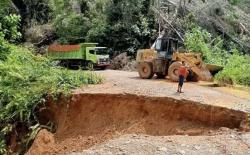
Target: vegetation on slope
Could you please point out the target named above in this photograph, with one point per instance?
(26, 81)
(236, 65)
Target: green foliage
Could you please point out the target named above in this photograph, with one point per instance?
(236, 67)
(237, 71)
(72, 28)
(35, 11)
(4, 4)
(98, 31)
(27, 80)
(234, 2)
(71, 24)
(8, 30)
(3, 48)
(198, 40)
(9, 26)
(130, 24)
(120, 25)
(245, 5)
(2, 146)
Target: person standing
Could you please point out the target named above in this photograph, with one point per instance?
(182, 74)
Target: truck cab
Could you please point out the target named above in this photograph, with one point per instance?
(99, 56)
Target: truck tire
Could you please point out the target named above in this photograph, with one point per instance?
(64, 63)
(173, 71)
(160, 75)
(90, 65)
(145, 70)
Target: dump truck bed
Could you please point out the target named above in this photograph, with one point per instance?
(65, 52)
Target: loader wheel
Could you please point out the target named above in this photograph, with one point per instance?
(145, 70)
(192, 77)
(173, 71)
(160, 76)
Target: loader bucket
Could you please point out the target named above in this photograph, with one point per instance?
(197, 65)
(203, 73)
(214, 68)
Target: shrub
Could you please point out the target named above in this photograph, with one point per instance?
(237, 71)
(236, 67)
(198, 40)
(234, 2)
(9, 25)
(8, 31)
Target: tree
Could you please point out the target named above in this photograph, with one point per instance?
(131, 24)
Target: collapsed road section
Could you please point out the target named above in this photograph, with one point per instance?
(90, 119)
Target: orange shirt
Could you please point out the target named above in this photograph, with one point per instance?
(183, 71)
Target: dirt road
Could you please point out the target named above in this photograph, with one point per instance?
(122, 82)
(225, 144)
(127, 115)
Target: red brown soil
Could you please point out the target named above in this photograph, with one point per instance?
(43, 144)
(63, 48)
(90, 119)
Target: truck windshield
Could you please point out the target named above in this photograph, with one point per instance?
(101, 51)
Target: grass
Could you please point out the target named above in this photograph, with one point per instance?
(26, 80)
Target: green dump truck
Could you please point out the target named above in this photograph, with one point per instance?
(85, 55)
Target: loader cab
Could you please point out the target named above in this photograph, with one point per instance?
(165, 47)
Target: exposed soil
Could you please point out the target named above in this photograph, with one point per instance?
(100, 119)
(90, 119)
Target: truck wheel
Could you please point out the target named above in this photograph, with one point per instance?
(173, 71)
(145, 70)
(90, 66)
(64, 63)
(160, 76)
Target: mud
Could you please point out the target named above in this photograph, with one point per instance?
(90, 119)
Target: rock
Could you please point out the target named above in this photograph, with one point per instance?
(127, 142)
(40, 34)
(120, 61)
(232, 136)
(120, 149)
(162, 149)
(224, 129)
(197, 147)
(183, 145)
(182, 152)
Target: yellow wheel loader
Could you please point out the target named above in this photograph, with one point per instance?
(163, 59)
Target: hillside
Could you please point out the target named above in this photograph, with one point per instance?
(131, 27)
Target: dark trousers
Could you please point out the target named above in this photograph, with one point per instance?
(181, 80)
